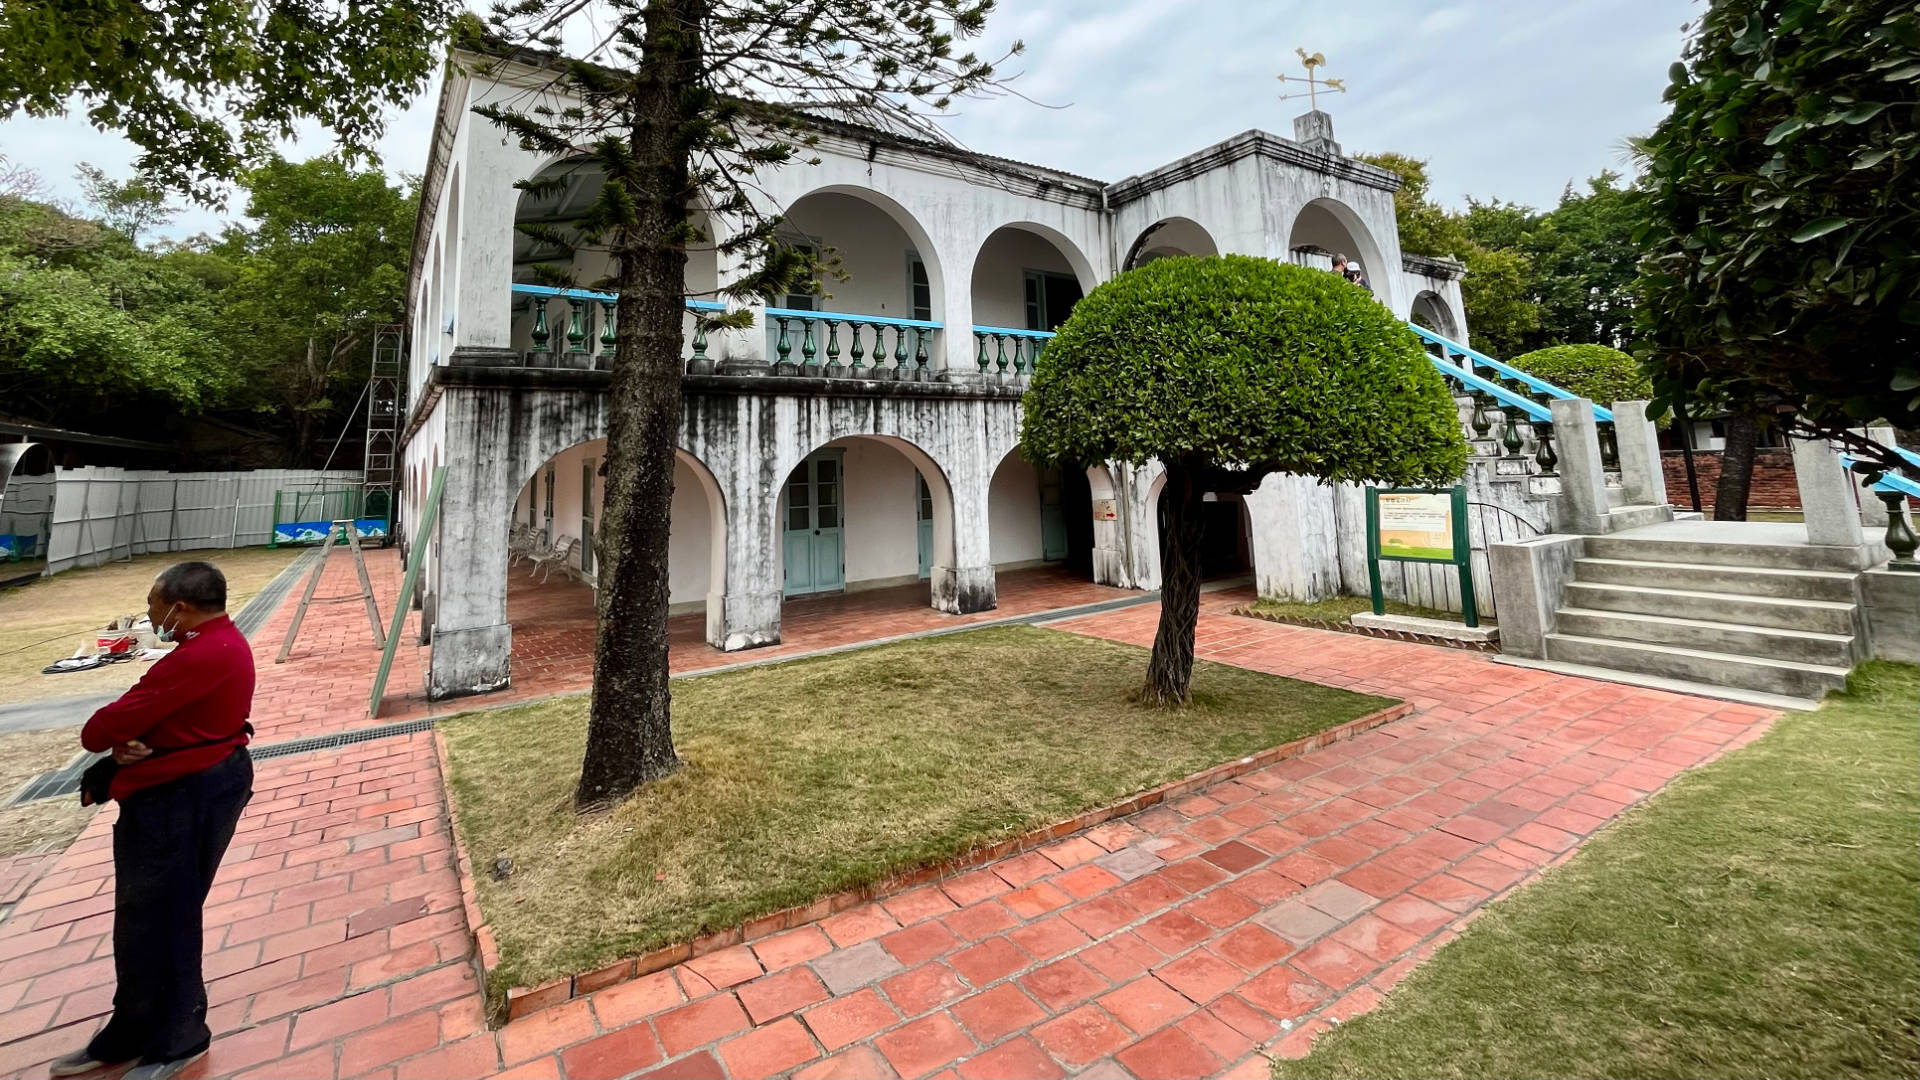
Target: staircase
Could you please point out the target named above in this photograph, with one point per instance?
(1776, 619)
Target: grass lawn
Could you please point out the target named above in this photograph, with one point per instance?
(1761, 917)
(1340, 608)
(43, 620)
(806, 778)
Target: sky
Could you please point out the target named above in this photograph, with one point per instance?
(1511, 99)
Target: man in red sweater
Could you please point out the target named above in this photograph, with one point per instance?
(179, 738)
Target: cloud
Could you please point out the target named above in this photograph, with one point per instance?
(1506, 98)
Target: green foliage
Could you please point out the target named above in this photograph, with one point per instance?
(267, 324)
(1247, 366)
(204, 86)
(1498, 291)
(1780, 219)
(1533, 279)
(1594, 372)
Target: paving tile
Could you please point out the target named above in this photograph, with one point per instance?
(612, 1055)
(989, 961)
(1018, 1057)
(793, 947)
(980, 920)
(1338, 899)
(779, 994)
(923, 988)
(1082, 1036)
(1252, 947)
(847, 969)
(925, 1045)
(1063, 984)
(695, 1024)
(923, 941)
(1174, 932)
(1333, 963)
(860, 1062)
(637, 999)
(849, 1018)
(1047, 938)
(1200, 975)
(1145, 1004)
(766, 1051)
(1169, 1055)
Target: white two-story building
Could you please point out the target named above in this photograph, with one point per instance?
(854, 440)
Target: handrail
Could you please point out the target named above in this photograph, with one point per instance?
(1532, 409)
(1890, 480)
(1911, 457)
(1042, 335)
(526, 289)
(1600, 413)
(846, 316)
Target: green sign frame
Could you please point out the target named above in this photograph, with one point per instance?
(1460, 557)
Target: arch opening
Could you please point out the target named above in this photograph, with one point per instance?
(1432, 311)
(1171, 238)
(1226, 534)
(1325, 228)
(860, 514)
(1028, 277)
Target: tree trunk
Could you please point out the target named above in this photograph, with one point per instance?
(1736, 470)
(629, 731)
(1170, 671)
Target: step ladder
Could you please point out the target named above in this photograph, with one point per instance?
(313, 581)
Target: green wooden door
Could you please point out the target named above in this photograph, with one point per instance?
(924, 519)
(1053, 524)
(814, 542)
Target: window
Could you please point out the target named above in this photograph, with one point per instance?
(919, 290)
(808, 300)
(1050, 298)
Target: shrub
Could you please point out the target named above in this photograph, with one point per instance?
(1595, 372)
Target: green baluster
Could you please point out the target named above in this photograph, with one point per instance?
(1544, 456)
(540, 357)
(807, 350)
(1482, 423)
(981, 360)
(833, 346)
(899, 351)
(1510, 438)
(1900, 539)
(858, 349)
(783, 348)
(576, 329)
(607, 340)
(920, 337)
(701, 364)
(1001, 339)
(1609, 446)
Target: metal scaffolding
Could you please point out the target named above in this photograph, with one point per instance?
(380, 474)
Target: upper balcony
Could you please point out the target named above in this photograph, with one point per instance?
(882, 315)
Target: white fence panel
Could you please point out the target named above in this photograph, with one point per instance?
(101, 515)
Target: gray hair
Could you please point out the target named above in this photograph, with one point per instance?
(1341, 259)
(197, 584)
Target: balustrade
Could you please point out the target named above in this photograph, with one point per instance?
(1015, 353)
(901, 349)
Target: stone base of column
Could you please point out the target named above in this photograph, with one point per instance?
(471, 661)
(743, 620)
(963, 590)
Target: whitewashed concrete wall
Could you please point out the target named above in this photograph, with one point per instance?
(1013, 502)
(999, 275)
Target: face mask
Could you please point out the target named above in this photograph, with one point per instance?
(162, 630)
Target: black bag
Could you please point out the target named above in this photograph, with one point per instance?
(96, 784)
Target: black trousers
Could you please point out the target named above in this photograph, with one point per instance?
(166, 847)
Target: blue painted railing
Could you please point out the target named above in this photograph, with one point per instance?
(1474, 356)
(1890, 480)
(1530, 408)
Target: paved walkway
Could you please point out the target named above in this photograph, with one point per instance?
(1170, 944)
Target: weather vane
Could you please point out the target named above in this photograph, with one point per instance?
(1313, 84)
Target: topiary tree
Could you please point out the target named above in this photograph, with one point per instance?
(1594, 372)
(1226, 369)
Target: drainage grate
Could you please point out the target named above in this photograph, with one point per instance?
(339, 739)
(258, 610)
(64, 780)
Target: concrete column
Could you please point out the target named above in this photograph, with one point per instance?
(1530, 580)
(739, 352)
(480, 259)
(1826, 495)
(1873, 512)
(747, 614)
(967, 584)
(1582, 504)
(472, 639)
(1640, 469)
(954, 360)
(1296, 550)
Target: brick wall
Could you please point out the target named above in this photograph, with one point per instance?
(1773, 485)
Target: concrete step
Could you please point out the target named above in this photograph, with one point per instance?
(1800, 646)
(1699, 577)
(1699, 665)
(1782, 556)
(1634, 515)
(1661, 682)
(1815, 616)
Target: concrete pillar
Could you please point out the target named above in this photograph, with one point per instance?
(955, 358)
(966, 584)
(472, 639)
(747, 614)
(1640, 469)
(1873, 512)
(739, 352)
(1582, 504)
(480, 253)
(1296, 550)
(1826, 495)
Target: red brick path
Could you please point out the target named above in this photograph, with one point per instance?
(1169, 944)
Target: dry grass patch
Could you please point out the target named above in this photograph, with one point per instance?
(49, 823)
(1339, 609)
(806, 778)
(42, 621)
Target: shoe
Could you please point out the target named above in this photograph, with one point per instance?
(78, 1062)
(162, 1070)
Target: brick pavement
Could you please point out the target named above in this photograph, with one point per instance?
(1168, 944)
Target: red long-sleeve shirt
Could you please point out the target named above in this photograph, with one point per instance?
(202, 690)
